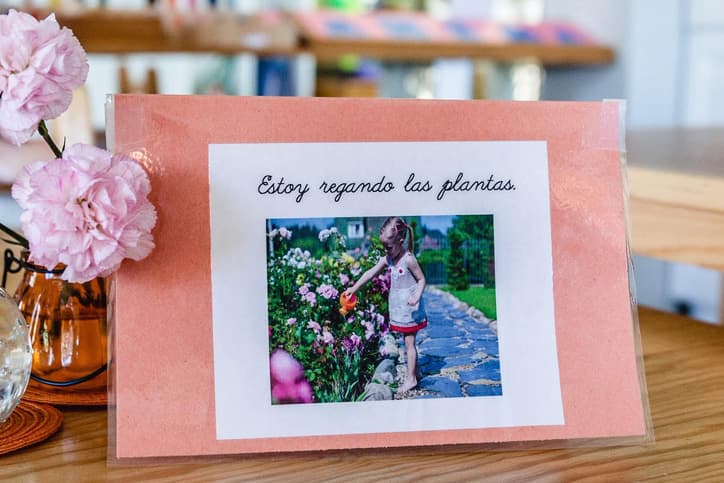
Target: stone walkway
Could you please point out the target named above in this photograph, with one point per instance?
(457, 354)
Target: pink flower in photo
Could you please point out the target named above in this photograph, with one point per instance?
(311, 297)
(314, 326)
(327, 337)
(369, 330)
(285, 233)
(327, 291)
(343, 279)
(292, 321)
(284, 368)
(40, 65)
(288, 384)
(299, 392)
(88, 210)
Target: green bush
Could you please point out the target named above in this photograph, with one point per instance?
(456, 273)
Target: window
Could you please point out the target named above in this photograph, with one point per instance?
(355, 229)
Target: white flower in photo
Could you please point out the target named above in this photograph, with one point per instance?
(284, 233)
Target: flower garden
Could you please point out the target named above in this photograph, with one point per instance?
(316, 353)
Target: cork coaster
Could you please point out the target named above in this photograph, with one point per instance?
(65, 396)
(30, 423)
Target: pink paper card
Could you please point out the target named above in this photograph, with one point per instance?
(345, 273)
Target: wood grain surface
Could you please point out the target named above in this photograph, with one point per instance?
(684, 366)
(547, 55)
(676, 179)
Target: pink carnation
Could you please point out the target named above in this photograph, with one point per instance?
(88, 210)
(40, 65)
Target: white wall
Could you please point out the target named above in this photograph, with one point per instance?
(607, 23)
(654, 63)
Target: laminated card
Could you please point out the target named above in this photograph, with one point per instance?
(347, 273)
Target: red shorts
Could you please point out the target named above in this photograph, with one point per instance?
(408, 329)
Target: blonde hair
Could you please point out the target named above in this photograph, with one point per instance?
(397, 226)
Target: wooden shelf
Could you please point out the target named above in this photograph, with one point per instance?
(102, 31)
(548, 55)
(127, 32)
(676, 179)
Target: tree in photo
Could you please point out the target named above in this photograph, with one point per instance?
(457, 275)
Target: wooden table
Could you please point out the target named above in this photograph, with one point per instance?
(684, 367)
(676, 178)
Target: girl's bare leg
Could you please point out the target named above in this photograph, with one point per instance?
(411, 352)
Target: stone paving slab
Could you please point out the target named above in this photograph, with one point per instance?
(489, 369)
(441, 385)
(463, 360)
(457, 354)
(437, 331)
(484, 390)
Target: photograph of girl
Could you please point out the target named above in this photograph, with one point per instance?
(376, 308)
(407, 282)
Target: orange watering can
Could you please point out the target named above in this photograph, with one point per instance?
(347, 303)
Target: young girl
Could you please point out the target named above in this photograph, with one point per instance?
(407, 311)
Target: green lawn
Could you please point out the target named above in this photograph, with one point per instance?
(481, 298)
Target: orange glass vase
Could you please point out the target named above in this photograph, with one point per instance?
(68, 327)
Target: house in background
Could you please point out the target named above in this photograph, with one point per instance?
(357, 229)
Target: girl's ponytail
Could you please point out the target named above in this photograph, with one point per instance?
(410, 239)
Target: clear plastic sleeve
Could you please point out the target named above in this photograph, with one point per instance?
(168, 384)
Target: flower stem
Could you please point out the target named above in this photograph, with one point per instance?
(43, 130)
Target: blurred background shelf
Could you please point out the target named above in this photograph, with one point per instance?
(276, 34)
(547, 55)
(125, 32)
